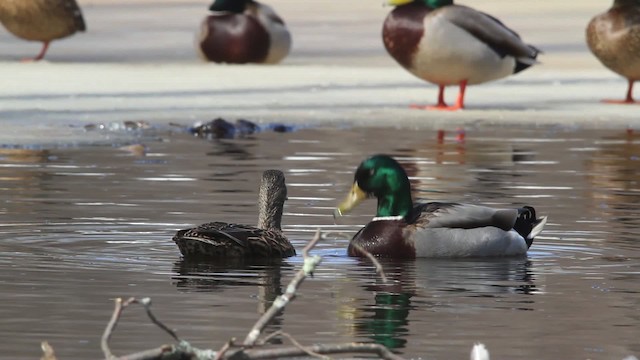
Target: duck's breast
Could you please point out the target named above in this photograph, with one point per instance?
(233, 38)
(402, 30)
(384, 238)
(614, 38)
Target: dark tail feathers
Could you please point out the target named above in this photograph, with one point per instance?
(528, 225)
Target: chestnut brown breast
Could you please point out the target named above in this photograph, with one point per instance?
(383, 238)
(234, 38)
(402, 30)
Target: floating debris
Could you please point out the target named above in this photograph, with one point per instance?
(118, 126)
(220, 128)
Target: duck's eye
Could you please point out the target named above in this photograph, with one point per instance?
(372, 172)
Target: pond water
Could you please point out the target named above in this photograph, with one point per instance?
(83, 225)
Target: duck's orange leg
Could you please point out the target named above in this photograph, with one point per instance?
(40, 56)
(441, 104)
(628, 99)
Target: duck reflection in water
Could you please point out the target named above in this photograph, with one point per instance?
(265, 274)
(614, 174)
(425, 284)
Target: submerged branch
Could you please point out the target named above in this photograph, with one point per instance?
(310, 264)
(376, 263)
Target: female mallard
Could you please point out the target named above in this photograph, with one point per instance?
(614, 38)
(41, 20)
(436, 229)
(243, 31)
(449, 44)
(224, 240)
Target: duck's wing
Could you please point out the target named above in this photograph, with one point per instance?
(492, 32)
(220, 232)
(462, 216)
(230, 240)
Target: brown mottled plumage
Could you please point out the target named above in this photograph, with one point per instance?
(224, 240)
(41, 20)
(614, 38)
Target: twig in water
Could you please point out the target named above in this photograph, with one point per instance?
(111, 326)
(310, 264)
(146, 302)
(47, 350)
(380, 350)
(376, 263)
(224, 348)
(147, 354)
(294, 342)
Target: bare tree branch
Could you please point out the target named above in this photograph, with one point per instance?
(310, 264)
(248, 350)
(111, 326)
(376, 263)
(47, 350)
(224, 349)
(146, 302)
(294, 342)
(283, 352)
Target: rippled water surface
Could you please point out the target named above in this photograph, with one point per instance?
(83, 225)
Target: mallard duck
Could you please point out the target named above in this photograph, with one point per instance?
(225, 240)
(41, 20)
(447, 44)
(401, 229)
(243, 31)
(614, 38)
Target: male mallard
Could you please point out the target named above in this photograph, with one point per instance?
(41, 20)
(435, 229)
(224, 240)
(243, 31)
(614, 38)
(449, 44)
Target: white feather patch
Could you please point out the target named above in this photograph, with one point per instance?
(479, 352)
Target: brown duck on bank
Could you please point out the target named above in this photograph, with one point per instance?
(41, 20)
(220, 240)
(614, 38)
(243, 31)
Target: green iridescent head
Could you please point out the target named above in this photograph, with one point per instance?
(382, 177)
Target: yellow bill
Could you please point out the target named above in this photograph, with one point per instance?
(355, 197)
(397, 2)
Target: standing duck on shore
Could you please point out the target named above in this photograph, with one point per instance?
(447, 44)
(41, 20)
(614, 38)
(243, 31)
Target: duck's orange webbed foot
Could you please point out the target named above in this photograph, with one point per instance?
(440, 107)
(621, 102)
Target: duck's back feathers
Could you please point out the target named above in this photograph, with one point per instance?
(463, 216)
(440, 229)
(492, 32)
(223, 240)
